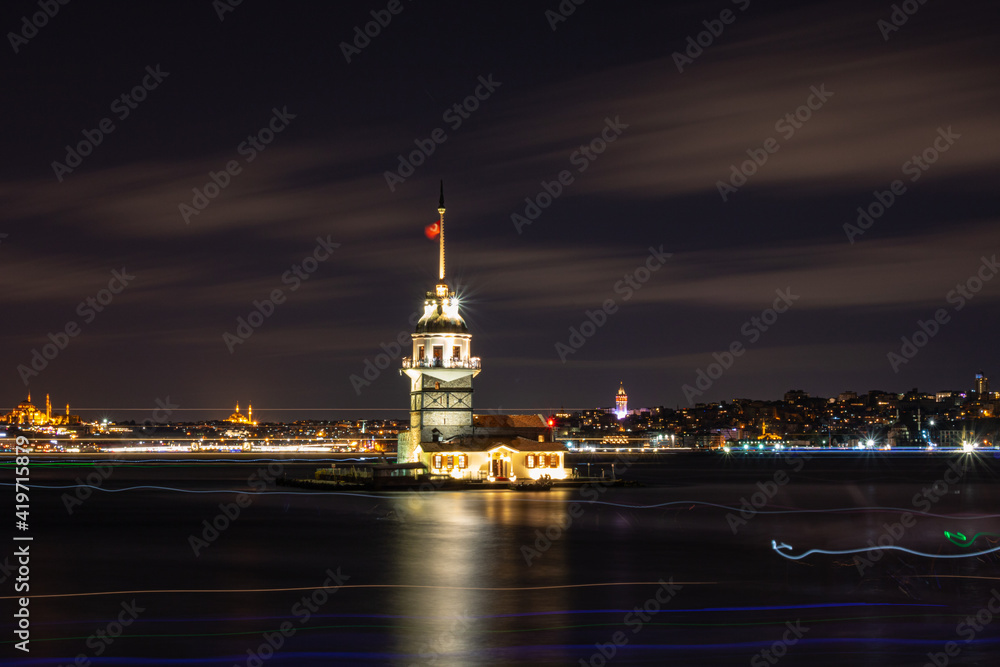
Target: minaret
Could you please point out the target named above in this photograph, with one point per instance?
(48, 408)
(441, 367)
(250, 413)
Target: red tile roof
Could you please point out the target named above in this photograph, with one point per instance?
(509, 421)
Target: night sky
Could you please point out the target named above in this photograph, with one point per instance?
(644, 135)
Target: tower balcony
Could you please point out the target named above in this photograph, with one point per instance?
(472, 363)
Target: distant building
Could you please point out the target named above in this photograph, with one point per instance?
(26, 414)
(949, 397)
(621, 402)
(982, 385)
(444, 433)
(237, 418)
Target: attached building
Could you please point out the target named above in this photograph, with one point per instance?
(444, 433)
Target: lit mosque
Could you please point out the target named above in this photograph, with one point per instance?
(445, 436)
(239, 418)
(26, 414)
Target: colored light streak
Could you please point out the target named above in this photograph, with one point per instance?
(526, 614)
(960, 540)
(613, 624)
(203, 591)
(780, 550)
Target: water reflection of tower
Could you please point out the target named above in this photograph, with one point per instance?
(621, 401)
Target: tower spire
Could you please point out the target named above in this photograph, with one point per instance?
(441, 227)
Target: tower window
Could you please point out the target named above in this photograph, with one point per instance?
(456, 352)
(438, 354)
(421, 353)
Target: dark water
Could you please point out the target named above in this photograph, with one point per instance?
(431, 560)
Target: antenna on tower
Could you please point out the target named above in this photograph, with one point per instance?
(441, 228)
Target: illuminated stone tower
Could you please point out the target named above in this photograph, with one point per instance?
(621, 402)
(441, 367)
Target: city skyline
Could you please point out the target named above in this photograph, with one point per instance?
(618, 406)
(690, 198)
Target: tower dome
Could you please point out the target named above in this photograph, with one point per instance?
(441, 314)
